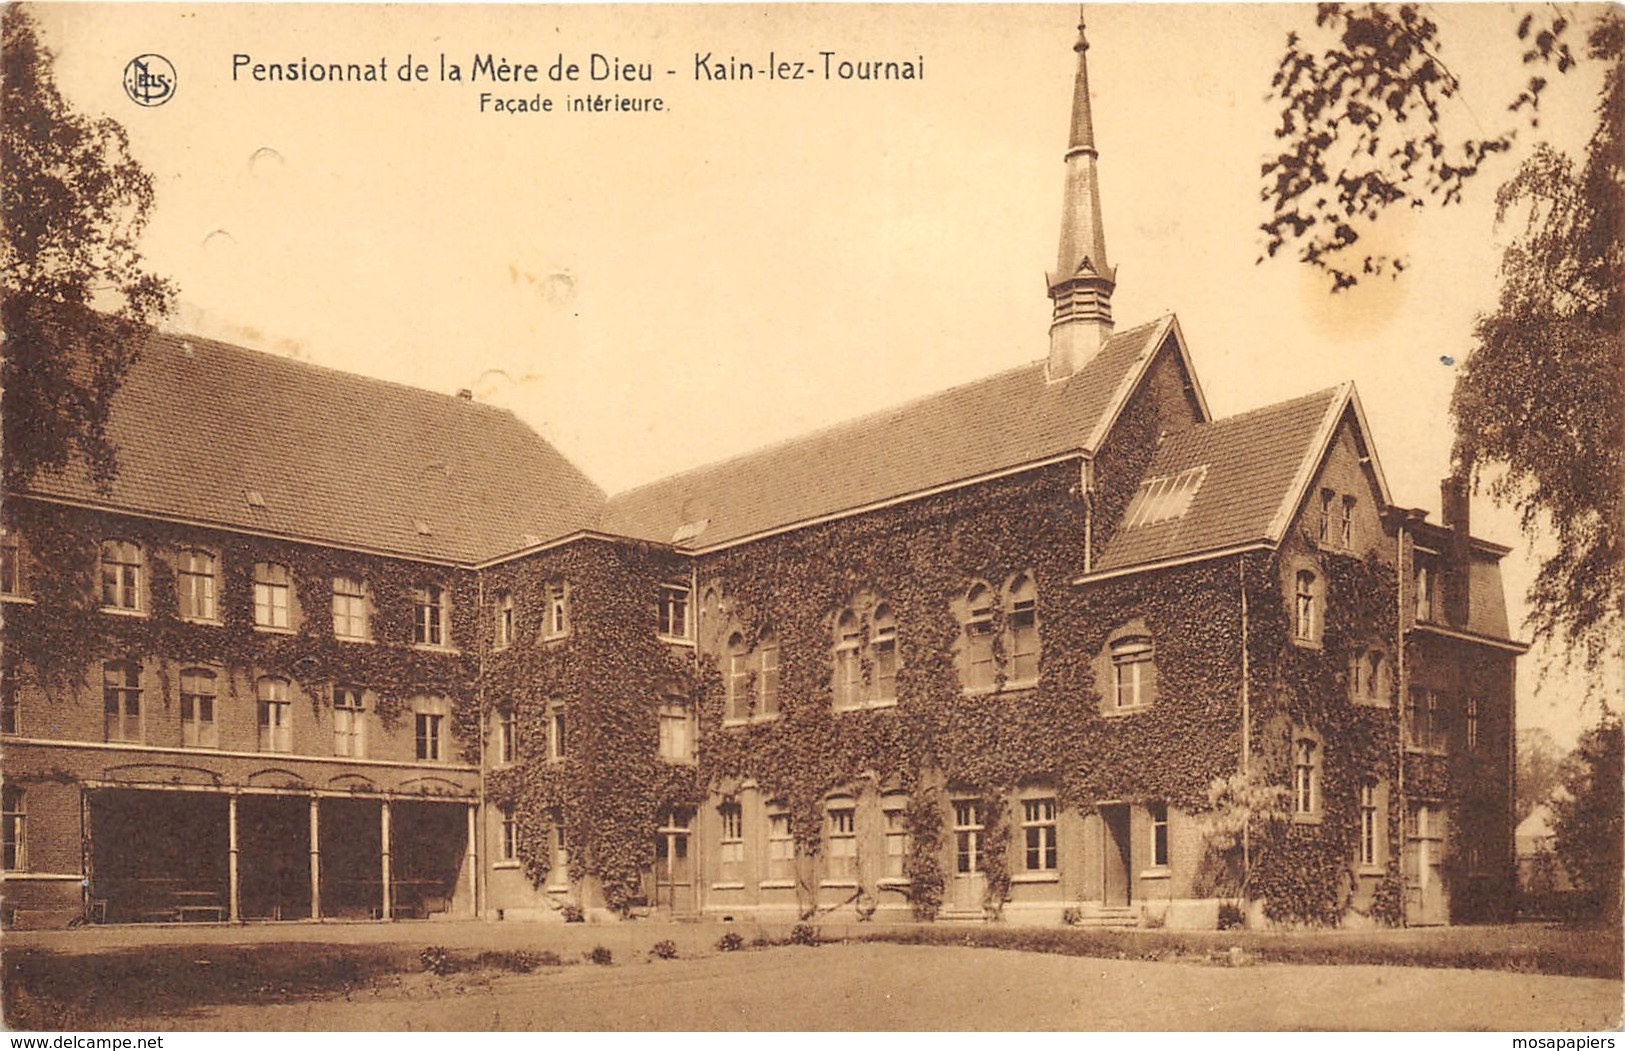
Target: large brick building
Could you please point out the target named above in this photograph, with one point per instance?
(331, 647)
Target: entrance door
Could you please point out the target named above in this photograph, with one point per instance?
(970, 879)
(1116, 855)
(1426, 898)
(674, 872)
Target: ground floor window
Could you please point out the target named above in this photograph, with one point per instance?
(275, 716)
(781, 846)
(198, 728)
(1038, 827)
(733, 843)
(895, 811)
(843, 842)
(1368, 824)
(509, 849)
(1159, 834)
(349, 722)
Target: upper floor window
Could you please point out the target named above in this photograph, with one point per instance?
(275, 715)
(507, 736)
(429, 726)
(1345, 525)
(979, 669)
(11, 564)
(431, 610)
(122, 586)
(349, 722)
(273, 597)
(13, 829)
(842, 840)
(1368, 677)
(673, 620)
(350, 608)
(848, 661)
(1133, 672)
(676, 729)
(883, 647)
(767, 673)
(1038, 829)
(196, 574)
(1306, 767)
(502, 621)
(198, 694)
(556, 614)
(1424, 589)
(1306, 614)
(1425, 719)
(1472, 724)
(1325, 532)
(557, 744)
(1021, 629)
(121, 701)
(737, 705)
(9, 723)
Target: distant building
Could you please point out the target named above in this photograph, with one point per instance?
(331, 647)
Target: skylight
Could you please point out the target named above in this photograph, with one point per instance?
(1165, 497)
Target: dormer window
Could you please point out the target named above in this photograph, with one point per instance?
(430, 610)
(673, 620)
(273, 597)
(122, 587)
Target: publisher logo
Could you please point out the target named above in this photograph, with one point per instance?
(149, 80)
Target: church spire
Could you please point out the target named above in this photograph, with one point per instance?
(1081, 286)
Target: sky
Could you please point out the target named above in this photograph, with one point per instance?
(655, 290)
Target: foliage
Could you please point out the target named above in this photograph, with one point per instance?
(600, 955)
(1540, 769)
(730, 942)
(73, 203)
(1588, 824)
(1539, 407)
(437, 959)
(1363, 128)
(573, 913)
(1238, 802)
(805, 934)
(665, 949)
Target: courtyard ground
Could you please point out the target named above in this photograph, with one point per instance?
(370, 977)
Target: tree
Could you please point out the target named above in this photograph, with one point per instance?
(1589, 818)
(77, 298)
(1540, 769)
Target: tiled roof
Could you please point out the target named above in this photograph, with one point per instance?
(1252, 462)
(337, 458)
(1006, 420)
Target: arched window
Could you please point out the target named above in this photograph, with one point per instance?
(978, 668)
(1306, 616)
(556, 617)
(738, 699)
(198, 692)
(275, 715)
(883, 643)
(1133, 672)
(848, 662)
(1021, 629)
(121, 575)
(1307, 758)
(273, 597)
(767, 673)
(349, 722)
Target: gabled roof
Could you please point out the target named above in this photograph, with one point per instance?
(1008, 420)
(334, 457)
(1246, 469)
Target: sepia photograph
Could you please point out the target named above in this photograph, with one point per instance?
(812, 517)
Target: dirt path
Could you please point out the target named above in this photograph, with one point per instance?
(863, 987)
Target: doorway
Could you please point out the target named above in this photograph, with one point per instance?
(674, 865)
(1116, 855)
(1427, 900)
(970, 876)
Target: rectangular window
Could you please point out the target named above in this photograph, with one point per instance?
(1131, 672)
(1368, 824)
(121, 701)
(1324, 533)
(195, 585)
(843, 843)
(121, 575)
(1472, 724)
(733, 843)
(676, 732)
(1345, 525)
(198, 692)
(848, 663)
(502, 627)
(1434, 732)
(9, 723)
(349, 722)
(429, 615)
(275, 716)
(508, 849)
(1306, 618)
(1424, 590)
(11, 564)
(885, 657)
(781, 846)
(273, 597)
(896, 815)
(673, 613)
(557, 615)
(767, 680)
(430, 726)
(507, 736)
(1305, 778)
(1038, 826)
(349, 608)
(1159, 835)
(556, 743)
(14, 829)
(967, 836)
(558, 874)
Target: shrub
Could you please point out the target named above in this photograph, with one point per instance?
(665, 950)
(803, 934)
(761, 941)
(1072, 917)
(437, 959)
(1231, 917)
(519, 961)
(730, 942)
(574, 914)
(600, 955)
(549, 958)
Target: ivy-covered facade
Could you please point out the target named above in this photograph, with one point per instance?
(994, 654)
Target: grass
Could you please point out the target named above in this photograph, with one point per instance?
(1571, 952)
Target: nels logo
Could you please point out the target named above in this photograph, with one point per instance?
(149, 80)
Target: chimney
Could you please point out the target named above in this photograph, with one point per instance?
(466, 394)
(1455, 511)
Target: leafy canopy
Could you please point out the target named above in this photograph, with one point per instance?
(77, 297)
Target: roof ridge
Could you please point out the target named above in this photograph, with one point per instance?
(1275, 406)
(855, 421)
